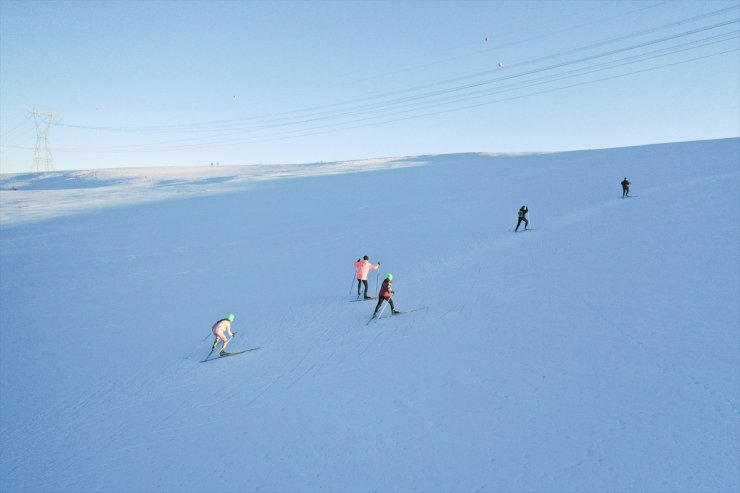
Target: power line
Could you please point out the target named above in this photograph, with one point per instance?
(25, 120)
(517, 81)
(452, 94)
(234, 124)
(512, 43)
(323, 129)
(270, 139)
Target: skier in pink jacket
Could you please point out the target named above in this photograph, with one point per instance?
(221, 328)
(363, 267)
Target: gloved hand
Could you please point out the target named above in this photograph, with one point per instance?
(233, 333)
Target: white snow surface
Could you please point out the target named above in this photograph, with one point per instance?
(598, 352)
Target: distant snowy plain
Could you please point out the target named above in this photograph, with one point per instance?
(598, 352)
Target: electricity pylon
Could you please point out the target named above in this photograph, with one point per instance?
(42, 154)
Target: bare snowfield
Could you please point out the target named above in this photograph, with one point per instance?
(598, 352)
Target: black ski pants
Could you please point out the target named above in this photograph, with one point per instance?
(625, 191)
(526, 223)
(380, 303)
(359, 282)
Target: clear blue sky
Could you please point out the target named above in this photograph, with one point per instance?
(190, 83)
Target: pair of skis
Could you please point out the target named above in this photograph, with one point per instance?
(375, 318)
(225, 354)
(359, 298)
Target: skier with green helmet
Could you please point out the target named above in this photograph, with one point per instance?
(220, 329)
(385, 294)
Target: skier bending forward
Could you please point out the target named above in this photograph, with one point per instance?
(221, 328)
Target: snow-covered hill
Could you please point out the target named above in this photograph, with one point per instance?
(598, 352)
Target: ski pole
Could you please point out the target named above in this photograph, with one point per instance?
(227, 341)
(374, 317)
(387, 302)
(352, 285)
(213, 348)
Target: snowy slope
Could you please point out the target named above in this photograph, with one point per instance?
(599, 352)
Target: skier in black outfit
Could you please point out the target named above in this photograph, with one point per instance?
(522, 217)
(625, 187)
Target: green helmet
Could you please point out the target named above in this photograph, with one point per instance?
(389, 277)
(230, 318)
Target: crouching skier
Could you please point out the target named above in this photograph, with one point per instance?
(386, 290)
(220, 329)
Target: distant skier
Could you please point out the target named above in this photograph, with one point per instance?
(522, 216)
(363, 267)
(625, 188)
(221, 328)
(385, 293)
